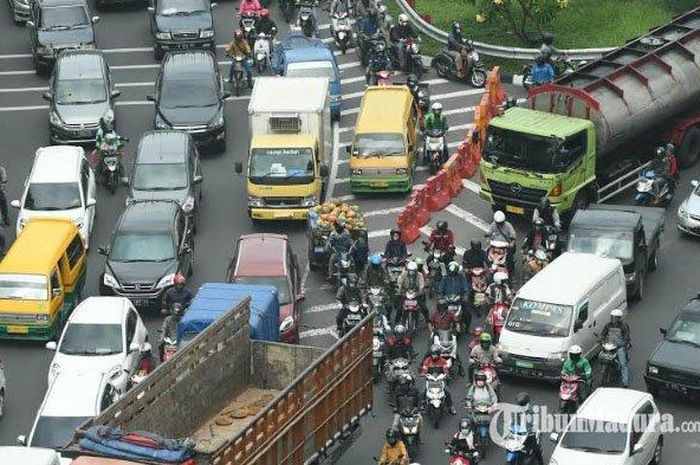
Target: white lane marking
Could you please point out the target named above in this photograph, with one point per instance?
(23, 89)
(334, 162)
(25, 108)
(347, 198)
(471, 185)
(457, 111)
(379, 233)
(348, 65)
(452, 128)
(12, 56)
(330, 330)
(454, 111)
(21, 73)
(382, 212)
(350, 80)
(323, 308)
(468, 217)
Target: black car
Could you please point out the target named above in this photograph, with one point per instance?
(673, 364)
(190, 96)
(182, 24)
(167, 167)
(151, 242)
(56, 25)
(81, 93)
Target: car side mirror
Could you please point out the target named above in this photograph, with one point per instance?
(324, 171)
(197, 179)
(554, 437)
(22, 440)
(29, 24)
(15, 204)
(47, 96)
(151, 10)
(95, 19)
(91, 202)
(51, 345)
(578, 325)
(103, 250)
(134, 346)
(238, 167)
(694, 183)
(300, 297)
(637, 449)
(124, 180)
(151, 98)
(663, 331)
(56, 291)
(116, 93)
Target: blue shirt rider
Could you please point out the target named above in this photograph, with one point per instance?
(541, 71)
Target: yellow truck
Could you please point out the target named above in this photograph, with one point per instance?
(290, 137)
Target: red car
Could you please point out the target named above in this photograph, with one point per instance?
(267, 259)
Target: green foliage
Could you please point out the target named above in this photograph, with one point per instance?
(526, 19)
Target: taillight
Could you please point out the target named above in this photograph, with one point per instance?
(556, 190)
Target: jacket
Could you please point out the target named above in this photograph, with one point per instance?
(394, 454)
(399, 347)
(474, 259)
(375, 276)
(236, 47)
(346, 294)
(442, 321)
(580, 368)
(503, 232)
(175, 296)
(434, 122)
(429, 363)
(399, 32)
(453, 285)
(368, 27)
(169, 328)
(267, 26)
(406, 399)
(542, 74)
(619, 335)
(442, 241)
(455, 42)
(480, 356)
(481, 395)
(395, 249)
(406, 282)
(550, 217)
(340, 242)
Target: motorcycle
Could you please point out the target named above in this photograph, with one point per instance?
(238, 72)
(344, 267)
(435, 395)
(110, 169)
(354, 315)
(479, 283)
(422, 105)
(458, 457)
(497, 255)
(306, 20)
(410, 422)
(653, 191)
(261, 52)
(482, 419)
(247, 24)
(454, 305)
(609, 368)
(436, 269)
(516, 452)
(447, 67)
(146, 365)
(562, 65)
(496, 318)
(395, 266)
(396, 368)
(169, 348)
(342, 31)
(380, 328)
(447, 342)
(434, 149)
(413, 57)
(569, 393)
(410, 311)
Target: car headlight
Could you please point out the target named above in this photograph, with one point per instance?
(630, 277)
(110, 281)
(22, 223)
(188, 204)
(556, 357)
(54, 370)
(653, 370)
(206, 34)
(254, 201)
(160, 123)
(401, 171)
(357, 172)
(165, 281)
(682, 212)
(88, 46)
(216, 122)
(286, 324)
(44, 50)
(54, 119)
(309, 201)
(162, 35)
(41, 317)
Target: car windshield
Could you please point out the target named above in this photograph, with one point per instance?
(77, 91)
(52, 196)
(91, 339)
(520, 150)
(181, 7)
(278, 282)
(63, 17)
(189, 93)
(379, 144)
(281, 166)
(160, 177)
(609, 244)
(23, 287)
(311, 69)
(599, 437)
(142, 247)
(55, 432)
(686, 329)
(540, 318)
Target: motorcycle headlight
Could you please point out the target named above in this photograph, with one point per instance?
(206, 34)
(166, 281)
(653, 370)
(110, 281)
(44, 50)
(357, 172)
(162, 35)
(88, 46)
(309, 201)
(286, 324)
(255, 202)
(376, 344)
(54, 119)
(401, 171)
(217, 122)
(188, 204)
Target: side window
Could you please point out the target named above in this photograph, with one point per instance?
(75, 251)
(107, 397)
(180, 230)
(576, 145)
(583, 313)
(85, 179)
(55, 280)
(130, 327)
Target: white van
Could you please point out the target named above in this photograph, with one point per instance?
(28, 456)
(567, 303)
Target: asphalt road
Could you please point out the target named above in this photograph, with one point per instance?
(124, 34)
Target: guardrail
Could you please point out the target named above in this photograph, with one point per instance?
(516, 53)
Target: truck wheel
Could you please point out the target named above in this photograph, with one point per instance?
(654, 262)
(690, 148)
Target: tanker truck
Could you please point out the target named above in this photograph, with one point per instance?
(589, 135)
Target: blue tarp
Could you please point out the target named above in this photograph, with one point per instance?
(215, 299)
(294, 41)
(112, 442)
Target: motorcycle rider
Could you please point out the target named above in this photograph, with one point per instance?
(663, 167)
(541, 72)
(379, 61)
(394, 450)
(374, 274)
(475, 256)
(476, 333)
(498, 290)
(441, 238)
(455, 283)
(444, 320)
(313, 4)
(435, 361)
(463, 441)
(398, 35)
(535, 237)
(547, 213)
(178, 294)
(459, 48)
(502, 230)
(395, 246)
(409, 279)
(483, 354)
(349, 292)
(266, 25)
(618, 332)
(577, 365)
(146, 362)
(480, 392)
(239, 46)
(547, 49)
(105, 137)
(526, 418)
(406, 398)
(436, 121)
(339, 242)
(399, 344)
(169, 328)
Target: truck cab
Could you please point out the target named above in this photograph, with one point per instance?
(531, 154)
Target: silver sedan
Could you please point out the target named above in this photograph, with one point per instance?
(689, 212)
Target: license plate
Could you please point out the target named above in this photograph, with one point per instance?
(140, 302)
(320, 249)
(514, 209)
(379, 184)
(410, 302)
(282, 215)
(13, 329)
(521, 364)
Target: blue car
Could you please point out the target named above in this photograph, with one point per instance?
(300, 56)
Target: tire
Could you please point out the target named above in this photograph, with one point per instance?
(477, 78)
(653, 390)
(689, 151)
(238, 88)
(158, 54)
(639, 291)
(441, 67)
(436, 418)
(656, 458)
(654, 262)
(261, 67)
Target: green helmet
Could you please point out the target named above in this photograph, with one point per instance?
(485, 337)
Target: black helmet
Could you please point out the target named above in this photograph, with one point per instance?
(548, 38)
(394, 231)
(352, 281)
(411, 80)
(400, 330)
(511, 102)
(340, 226)
(177, 310)
(540, 60)
(372, 13)
(475, 244)
(442, 305)
(456, 27)
(442, 226)
(435, 351)
(545, 204)
(522, 399)
(480, 376)
(391, 436)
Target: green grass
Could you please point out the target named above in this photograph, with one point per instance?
(583, 24)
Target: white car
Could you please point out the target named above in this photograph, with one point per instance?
(29, 456)
(614, 426)
(70, 401)
(61, 183)
(3, 391)
(102, 335)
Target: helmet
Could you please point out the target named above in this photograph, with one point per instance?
(465, 426)
(660, 152)
(179, 279)
(575, 352)
(476, 332)
(412, 267)
(453, 268)
(480, 376)
(419, 262)
(522, 399)
(400, 330)
(435, 350)
(548, 38)
(391, 436)
(110, 138)
(107, 121)
(538, 223)
(670, 148)
(339, 226)
(540, 255)
(500, 277)
(264, 13)
(485, 337)
(616, 313)
(545, 204)
(372, 13)
(261, 35)
(145, 348)
(442, 305)
(475, 244)
(441, 226)
(375, 259)
(403, 19)
(177, 310)
(456, 27)
(499, 216)
(540, 60)
(394, 232)
(237, 34)
(511, 102)
(411, 80)
(351, 281)
(436, 107)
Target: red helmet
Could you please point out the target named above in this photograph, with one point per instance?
(238, 34)
(179, 279)
(264, 13)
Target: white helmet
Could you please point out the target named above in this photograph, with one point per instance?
(575, 350)
(617, 312)
(436, 106)
(261, 35)
(540, 255)
(499, 217)
(411, 266)
(453, 266)
(499, 277)
(403, 19)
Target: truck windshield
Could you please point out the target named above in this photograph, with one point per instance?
(520, 150)
(281, 166)
(608, 244)
(378, 145)
(539, 318)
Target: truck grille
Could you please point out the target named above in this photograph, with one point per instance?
(516, 192)
(138, 287)
(679, 377)
(281, 202)
(185, 35)
(17, 317)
